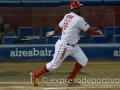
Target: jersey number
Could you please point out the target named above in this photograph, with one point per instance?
(65, 25)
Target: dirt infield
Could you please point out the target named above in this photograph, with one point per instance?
(94, 76)
(28, 86)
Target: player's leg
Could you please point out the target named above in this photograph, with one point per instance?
(44, 68)
(60, 54)
(37, 74)
(79, 55)
(81, 58)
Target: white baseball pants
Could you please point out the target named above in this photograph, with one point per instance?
(62, 50)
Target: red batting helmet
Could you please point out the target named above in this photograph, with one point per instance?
(74, 4)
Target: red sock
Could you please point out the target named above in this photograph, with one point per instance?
(76, 69)
(41, 71)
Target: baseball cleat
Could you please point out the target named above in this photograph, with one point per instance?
(33, 79)
(72, 82)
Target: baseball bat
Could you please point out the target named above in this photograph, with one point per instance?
(23, 40)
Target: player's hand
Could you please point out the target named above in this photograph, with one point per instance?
(50, 34)
(99, 32)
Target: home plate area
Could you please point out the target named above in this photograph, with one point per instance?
(48, 86)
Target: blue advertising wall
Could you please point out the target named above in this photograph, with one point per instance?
(18, 53)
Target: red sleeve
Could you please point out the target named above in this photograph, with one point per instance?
(57, 29)
(91, 31)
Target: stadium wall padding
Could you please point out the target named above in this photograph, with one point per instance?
(26, 53)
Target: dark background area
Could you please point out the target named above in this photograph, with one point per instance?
(37, 17)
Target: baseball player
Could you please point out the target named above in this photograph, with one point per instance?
(71, 25)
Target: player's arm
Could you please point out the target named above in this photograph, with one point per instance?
(93, 32)
(57, 29)
(86, 28)
(51, 33)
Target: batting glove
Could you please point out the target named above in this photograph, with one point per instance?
(99, 32)
(50, 34)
